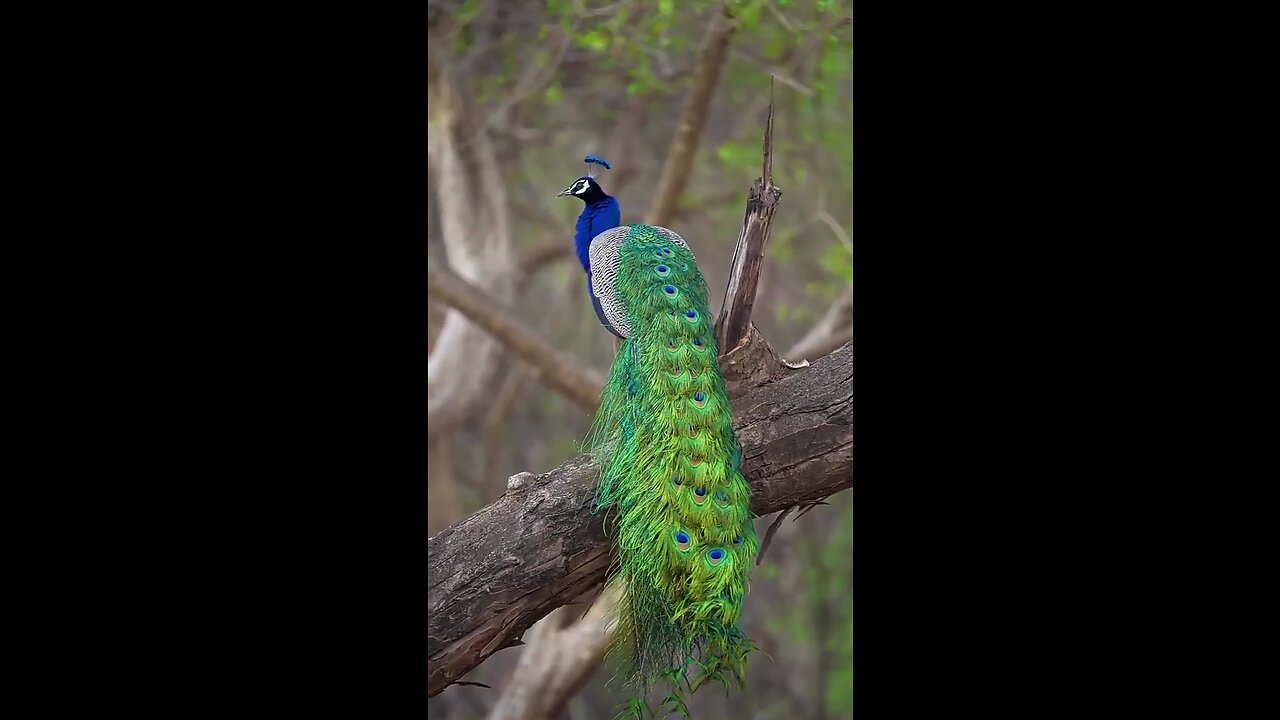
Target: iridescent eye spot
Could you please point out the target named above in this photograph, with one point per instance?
(695, 461)
(683, 541)
(722, 499)
(669, 289)
(700, 399)
(677, 481)
(693, 431)
(684, 266)
(692, 315)
(697, 344)
(699, 495)
(737, 540)
(671, 344)
(658, 253)
(666, 252)
(663, 270)
(715, 556)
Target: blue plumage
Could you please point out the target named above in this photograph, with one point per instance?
(604, 214)
(601, 212)
(599, 161)
(595, 219)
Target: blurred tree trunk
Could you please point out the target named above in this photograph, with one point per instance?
(561, 652)
(444, 508)
(472, 203)
(693, 120)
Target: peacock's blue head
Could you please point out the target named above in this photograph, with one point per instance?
(586, 188)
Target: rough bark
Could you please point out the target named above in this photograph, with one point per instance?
(539, 546)
(557, 370)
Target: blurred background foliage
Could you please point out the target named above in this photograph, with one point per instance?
(558, 79)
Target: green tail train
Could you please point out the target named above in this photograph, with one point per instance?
(664, 441)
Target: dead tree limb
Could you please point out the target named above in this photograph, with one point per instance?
(684, 146)
(748, 255)
(539, 546)
(557, 370)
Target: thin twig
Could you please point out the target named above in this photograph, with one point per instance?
(807, 507)
(834, 329)
(768, 535)
(841, 235)
(774, 71)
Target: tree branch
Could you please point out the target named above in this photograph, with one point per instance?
(684, 146)
(552, 367)
(539, 256)
(833, 330)
(539, 546)
(748, 255)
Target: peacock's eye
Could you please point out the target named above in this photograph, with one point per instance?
(700, 492)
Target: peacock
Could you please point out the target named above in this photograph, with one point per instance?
(669, 462)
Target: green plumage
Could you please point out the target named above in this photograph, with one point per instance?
(663, 439)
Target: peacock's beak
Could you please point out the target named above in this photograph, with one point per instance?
(565, 191)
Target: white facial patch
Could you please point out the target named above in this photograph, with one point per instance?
(580, 187)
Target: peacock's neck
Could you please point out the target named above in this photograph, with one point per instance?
(598, 216)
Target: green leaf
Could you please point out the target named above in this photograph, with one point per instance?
(593, 40)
